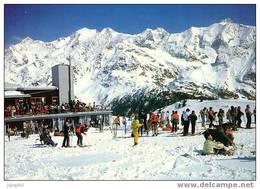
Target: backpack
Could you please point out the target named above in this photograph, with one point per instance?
(78, 129)
(155, 118)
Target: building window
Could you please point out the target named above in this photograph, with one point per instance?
(54, 100)
(38, 100)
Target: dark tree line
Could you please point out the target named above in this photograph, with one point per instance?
(149, 102)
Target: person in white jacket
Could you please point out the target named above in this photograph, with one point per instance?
(212, 147)
(186, 122)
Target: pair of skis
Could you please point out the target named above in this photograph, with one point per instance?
(84, 146)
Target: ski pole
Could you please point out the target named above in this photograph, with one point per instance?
(244, 118)
(125, 129)
(113, 130)
(143, 137)
(86, 139)
(122, 130)
(71, 141)
(69, 138)
(197, 129)
(116, 130)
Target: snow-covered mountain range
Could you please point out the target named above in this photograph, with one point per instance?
(218, 60)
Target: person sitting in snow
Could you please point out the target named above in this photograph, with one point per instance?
(227, 127)
(219, 135)
(46, 138)
(211, 147)
(135, 126)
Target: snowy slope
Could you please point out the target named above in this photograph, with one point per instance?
(204, 61)
(196, 105)
(155, 158)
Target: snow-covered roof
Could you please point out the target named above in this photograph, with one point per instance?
(37, 88)
(15, 94)
(10, 87)
(18, 88)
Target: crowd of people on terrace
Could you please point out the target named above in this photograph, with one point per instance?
(32, 108)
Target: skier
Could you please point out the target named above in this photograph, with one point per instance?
(66, 128)
(135, 126)
(26, 129)
(175, 120)
(221, 115)
(10, 133)
(235, 119)
(100, 123)
(232, 115)
(15, 131)
(193, 118)
(154, 122)
(182, 120)
(167, 119)
(124, 123)
(116, 125)
(80, 129)
(186, 122)
(239, 114)
(203, 115)
(248, 116)
(211, 115)
(228, 115)
(32, 123)
(23, 134)
(163, 119)
(144, 118)
(141, 120)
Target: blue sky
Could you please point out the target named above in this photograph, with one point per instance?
(49, 22)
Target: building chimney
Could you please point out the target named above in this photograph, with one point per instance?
(62, 77)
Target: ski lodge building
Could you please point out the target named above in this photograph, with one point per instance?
(42, 104)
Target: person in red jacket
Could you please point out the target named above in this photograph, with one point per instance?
(175, 121)
(154, 122)
(80, 129)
